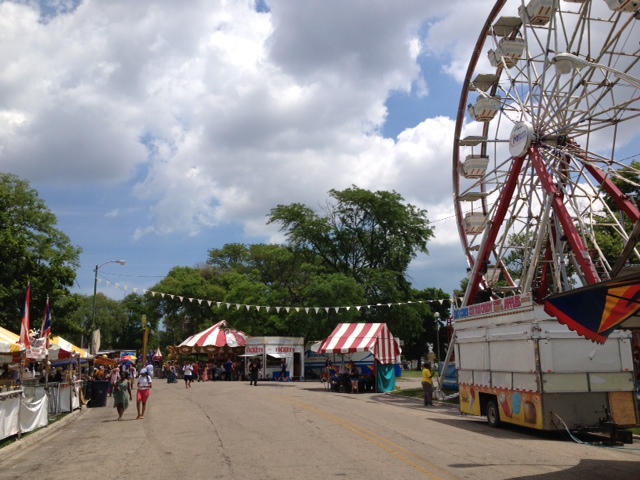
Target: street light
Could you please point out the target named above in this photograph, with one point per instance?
(95, 288)
(437, 317)
(566, 62)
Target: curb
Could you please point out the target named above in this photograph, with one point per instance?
(35, 436)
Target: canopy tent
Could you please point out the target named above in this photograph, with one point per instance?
(157, 357)
(213, 339)
(597, 310)
(9, 342)
(363, 337)
(65, 349)
(374, 338)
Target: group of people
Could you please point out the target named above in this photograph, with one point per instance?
(121, 385)
(190, 372)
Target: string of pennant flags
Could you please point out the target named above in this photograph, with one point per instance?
(248, 307)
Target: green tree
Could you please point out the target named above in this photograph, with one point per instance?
(368, 236)
(180, 311)
(33, 250)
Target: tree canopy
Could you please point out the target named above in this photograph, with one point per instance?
(33, 250)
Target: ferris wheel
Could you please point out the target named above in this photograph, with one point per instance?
(546, 157)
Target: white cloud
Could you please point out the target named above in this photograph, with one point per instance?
(209, 114)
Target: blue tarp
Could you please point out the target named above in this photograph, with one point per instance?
(386, 378)
(450, 379)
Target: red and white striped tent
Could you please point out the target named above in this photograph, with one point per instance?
(363, 337)
(212, 339)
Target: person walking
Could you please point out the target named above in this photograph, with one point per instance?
(228, 370)
(144, 389)
(133, 374)
(187, 371)
(114, 377)
(283, 370)
(122, 394)
(427, 384)
(254, 369)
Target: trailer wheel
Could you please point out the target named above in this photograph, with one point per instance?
(493, 414)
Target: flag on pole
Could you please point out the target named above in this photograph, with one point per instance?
(26, 322)
(45, 331)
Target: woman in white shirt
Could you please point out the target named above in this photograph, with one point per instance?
(144, 389)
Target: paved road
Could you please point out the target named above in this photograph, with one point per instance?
(299, 431)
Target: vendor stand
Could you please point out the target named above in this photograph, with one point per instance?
(271, 351)
(350, 338)
(219, 343)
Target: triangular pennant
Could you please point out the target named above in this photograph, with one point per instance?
(191, 300)
(287, 309)
(162, 295)
(326, 309)
(278, 309)
(248, 307)
(209, 302)
(238, 306)
(180, 298)
(317, 309)
(358, 307)
(306, 309)
(218, 304)
(172, 296)
(108, 283)
(228, 306)
(337, 309)
(298, 309)
(199, 301)
(135, 290)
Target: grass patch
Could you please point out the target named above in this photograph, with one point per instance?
(419, 394)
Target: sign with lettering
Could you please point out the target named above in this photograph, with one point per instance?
(495, 306)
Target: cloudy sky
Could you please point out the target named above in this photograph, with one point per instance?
(158, 130)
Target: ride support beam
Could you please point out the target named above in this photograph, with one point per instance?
(573, 237)
(494, 228)
(618, 196)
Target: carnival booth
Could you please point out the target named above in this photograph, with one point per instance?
(157, 360)
(213, 340)
(11, 354)
(271, 352)
(19, 411)
(375, 338)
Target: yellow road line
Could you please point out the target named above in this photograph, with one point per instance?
(382, 442)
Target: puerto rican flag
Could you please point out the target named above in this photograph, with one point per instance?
(45, 331)
(26, 322)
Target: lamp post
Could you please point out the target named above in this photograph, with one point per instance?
(95, 291)
(437, 317)
(566, 62)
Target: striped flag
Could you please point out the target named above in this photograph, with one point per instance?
(26, 322)
(45, 331)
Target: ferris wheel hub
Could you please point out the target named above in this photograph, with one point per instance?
(520, 139)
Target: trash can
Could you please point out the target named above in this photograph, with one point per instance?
(99, 390)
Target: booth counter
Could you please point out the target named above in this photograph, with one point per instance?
(271, 351)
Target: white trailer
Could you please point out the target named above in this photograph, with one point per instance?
(518, 365)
